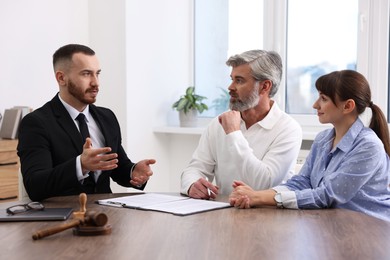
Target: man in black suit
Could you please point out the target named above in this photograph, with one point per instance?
(55, 159)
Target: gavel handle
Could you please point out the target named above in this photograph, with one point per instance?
(53, 230)
(83, 202)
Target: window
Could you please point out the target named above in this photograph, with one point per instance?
(320, 39)
(313, 37)
(223, 28)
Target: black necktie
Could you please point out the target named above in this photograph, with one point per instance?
(83, 126)
(84, 134)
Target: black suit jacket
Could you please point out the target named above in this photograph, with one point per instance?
(49, 143)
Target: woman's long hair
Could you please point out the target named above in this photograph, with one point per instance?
(350, 84)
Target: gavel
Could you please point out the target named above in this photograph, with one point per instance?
(91, 218)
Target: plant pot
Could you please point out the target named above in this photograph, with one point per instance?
(189, 119)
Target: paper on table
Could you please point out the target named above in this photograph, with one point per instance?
(138, 201)
(178, 205)
(189, 206)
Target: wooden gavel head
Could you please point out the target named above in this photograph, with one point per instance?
(89, 218)
(93, 218)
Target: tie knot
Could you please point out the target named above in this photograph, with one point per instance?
(81, 116)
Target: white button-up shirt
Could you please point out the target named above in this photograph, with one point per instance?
(354, 175)
(262, 156)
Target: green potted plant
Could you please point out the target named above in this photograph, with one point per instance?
(189, 105)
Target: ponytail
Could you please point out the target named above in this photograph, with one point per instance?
(379, 125)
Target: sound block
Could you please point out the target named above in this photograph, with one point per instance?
(92, 230)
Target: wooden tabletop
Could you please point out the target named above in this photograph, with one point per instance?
(261, 233)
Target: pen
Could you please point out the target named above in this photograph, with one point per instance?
(209, 192)
(118, 204)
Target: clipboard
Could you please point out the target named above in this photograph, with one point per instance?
(48, 214)
(176, 205)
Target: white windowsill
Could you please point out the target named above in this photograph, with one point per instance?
(178, 130)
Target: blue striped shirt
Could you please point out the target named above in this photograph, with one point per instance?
(354, 175)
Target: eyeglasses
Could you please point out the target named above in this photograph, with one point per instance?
(25, 207)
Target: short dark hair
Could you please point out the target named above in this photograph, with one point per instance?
(66, 52)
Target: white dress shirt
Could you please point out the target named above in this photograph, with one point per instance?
(262, 156)
(96, 136)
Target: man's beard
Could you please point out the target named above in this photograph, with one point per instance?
(79, 94)
(247, 103)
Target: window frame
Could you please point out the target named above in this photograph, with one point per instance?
(372, 56)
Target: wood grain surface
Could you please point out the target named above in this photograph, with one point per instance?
(260, 233)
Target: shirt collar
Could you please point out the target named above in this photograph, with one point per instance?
(346, 142)
(273, 116)
(348, 139)
(74, 112)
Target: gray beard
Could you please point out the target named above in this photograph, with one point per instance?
(250, 102)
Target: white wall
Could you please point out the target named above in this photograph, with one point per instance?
(146, 58)
(159, 69)
(107, 31)
(30, 33)
(145, 51)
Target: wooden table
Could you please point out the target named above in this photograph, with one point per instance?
(261, 233)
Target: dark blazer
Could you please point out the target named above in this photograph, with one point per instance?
(49, 143)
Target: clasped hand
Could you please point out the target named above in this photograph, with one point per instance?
(241, 195)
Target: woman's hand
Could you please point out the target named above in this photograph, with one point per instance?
(242, 195)
(245, 197)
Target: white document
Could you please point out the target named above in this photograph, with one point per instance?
(177, 205)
